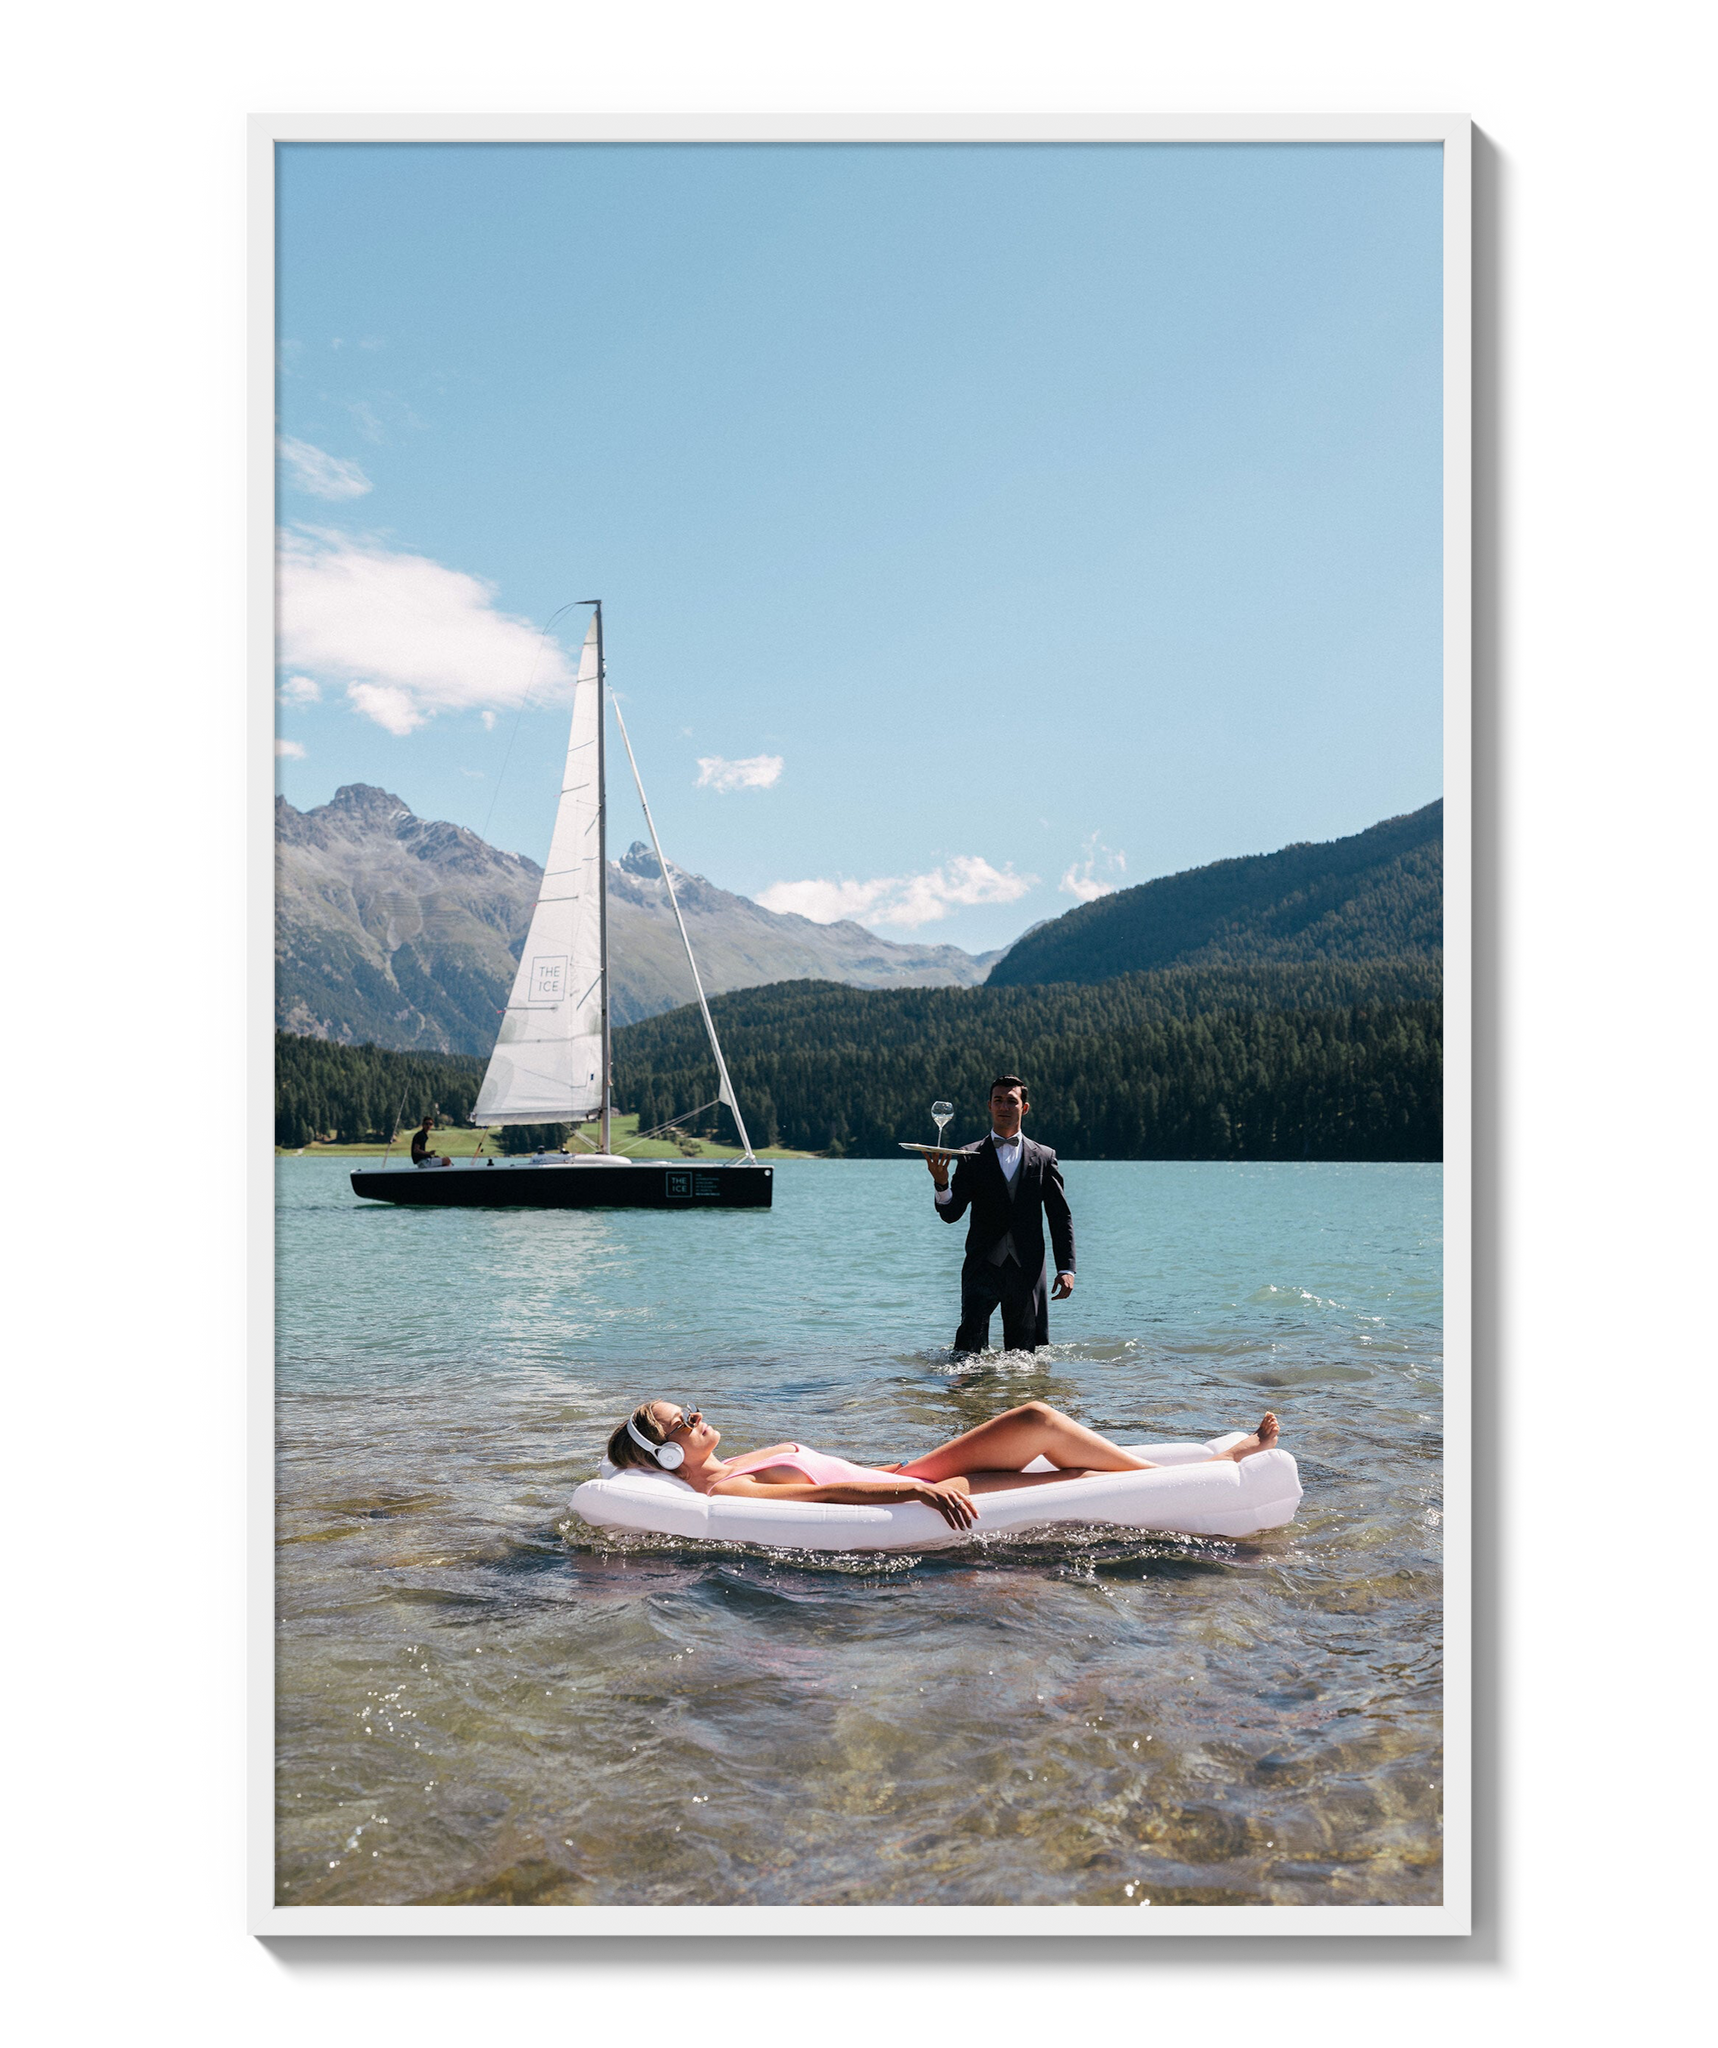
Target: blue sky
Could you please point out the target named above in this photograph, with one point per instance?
(977, 527)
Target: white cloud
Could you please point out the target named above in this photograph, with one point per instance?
(1083, 878)
(405, 636)
(488, 718)
(391, 708)
(322, 475)
(300, 690)
(756, 771)
(288, 750)
(907, 900)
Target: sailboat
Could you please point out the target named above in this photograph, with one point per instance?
(552, 1060)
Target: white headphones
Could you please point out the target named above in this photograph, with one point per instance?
(669, 1456)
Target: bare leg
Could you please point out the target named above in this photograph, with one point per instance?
(1014, 1439)
(998, 1482)
(1011, 1482)
(999, 1448)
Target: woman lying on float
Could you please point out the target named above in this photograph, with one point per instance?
(988, 1459)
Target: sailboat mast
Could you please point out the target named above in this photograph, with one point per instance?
(602, 884)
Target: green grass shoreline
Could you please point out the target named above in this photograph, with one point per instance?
(455, 1143)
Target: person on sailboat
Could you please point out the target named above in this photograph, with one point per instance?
(674, 1437)
(423, 1152)
(1012, 1189)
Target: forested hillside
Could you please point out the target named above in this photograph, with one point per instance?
(351, 1092)
(1328, 1061)
(1377, 895)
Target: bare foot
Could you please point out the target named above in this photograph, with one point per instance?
(1264, 1440)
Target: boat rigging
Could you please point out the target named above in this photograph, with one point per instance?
(553, 1056)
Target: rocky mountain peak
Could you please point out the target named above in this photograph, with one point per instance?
(406, 930)
(640, 859)
(290, 828)
(364, 804)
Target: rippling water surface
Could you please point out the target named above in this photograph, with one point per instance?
(481, 1700)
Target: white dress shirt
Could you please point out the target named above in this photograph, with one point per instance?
(1009, 1152)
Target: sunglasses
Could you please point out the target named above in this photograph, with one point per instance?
(687, 1417)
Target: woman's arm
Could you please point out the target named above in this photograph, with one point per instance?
(948, 1496)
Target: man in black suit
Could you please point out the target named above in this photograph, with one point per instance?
(1012, 1188)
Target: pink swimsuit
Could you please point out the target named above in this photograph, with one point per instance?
(816, 1466)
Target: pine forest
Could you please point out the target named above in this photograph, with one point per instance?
(1330, 1060)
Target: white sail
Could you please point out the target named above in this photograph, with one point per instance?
(547, 1066)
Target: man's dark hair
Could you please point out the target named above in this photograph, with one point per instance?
(1009, 1081)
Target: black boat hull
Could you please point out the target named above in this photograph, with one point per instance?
(558, 1184)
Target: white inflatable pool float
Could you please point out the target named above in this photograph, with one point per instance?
(1186, 1495)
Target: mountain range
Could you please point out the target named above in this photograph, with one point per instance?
(405, 932)
(1376, 895)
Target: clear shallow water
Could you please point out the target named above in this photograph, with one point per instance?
(481, 1700)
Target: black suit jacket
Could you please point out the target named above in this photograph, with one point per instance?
(980, 1188)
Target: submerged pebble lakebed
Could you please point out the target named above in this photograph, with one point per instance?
(480, 1700)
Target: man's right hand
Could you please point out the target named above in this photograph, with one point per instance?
(938, 1164)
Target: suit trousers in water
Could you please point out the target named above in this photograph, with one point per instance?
(1022, 1299)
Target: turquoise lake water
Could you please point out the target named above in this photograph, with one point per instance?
(480, 1699)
